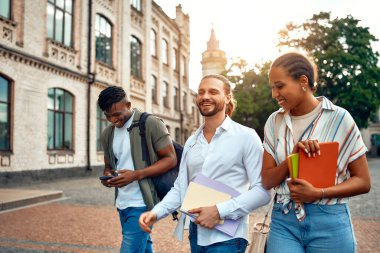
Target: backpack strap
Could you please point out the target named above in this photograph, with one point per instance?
(144, 146)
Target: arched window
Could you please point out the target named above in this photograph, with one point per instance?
(5, 8)
(101, 124)
(135, 57)
(153, 43)
(174, 60)
(164, 51)
(60, 119)
(5, 114)
(165, 97)
(153, 83)
(136, 4)
(59, 19)
(103, 39)
(177, 135)
(176, 98)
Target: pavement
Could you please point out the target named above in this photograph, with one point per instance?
(77, 215)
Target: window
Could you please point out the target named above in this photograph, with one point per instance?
(59, 19)
(135, 57)
(153, 43)
(176, 97)
(60, 119)
(101, 123)
(136, 4)
(103, 39)
(177, 134)
(153, 83)
(165, 96)
(183, 66)
(174, 61)
(5, 111)
(5, 8)
(184, 98)
(164, 51)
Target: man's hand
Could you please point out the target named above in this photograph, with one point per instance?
(124, 178)
(107, 172)
(302, 191)
(208, 217)
(146, 221)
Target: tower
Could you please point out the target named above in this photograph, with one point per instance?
(213, 59)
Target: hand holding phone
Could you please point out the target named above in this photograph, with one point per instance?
(106, 177)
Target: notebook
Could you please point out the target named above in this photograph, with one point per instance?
(216, 191)
(320, 170)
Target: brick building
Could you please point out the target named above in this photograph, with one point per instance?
(55, 58)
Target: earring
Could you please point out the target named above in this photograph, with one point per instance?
(304, 88)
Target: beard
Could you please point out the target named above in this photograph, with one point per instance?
(208, 112)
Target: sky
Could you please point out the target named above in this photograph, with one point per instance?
(249, 28)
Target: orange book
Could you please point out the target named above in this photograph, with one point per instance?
(320, 170)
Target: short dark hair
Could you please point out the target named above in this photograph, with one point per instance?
(296, 65)
(110, 96)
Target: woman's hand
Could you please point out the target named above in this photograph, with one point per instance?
(302, 191)
(310, 147)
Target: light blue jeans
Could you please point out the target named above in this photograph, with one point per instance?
(237, 245)
(326, 228)
(134, 239)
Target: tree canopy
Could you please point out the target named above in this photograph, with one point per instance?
(253, 94)
(347, 64)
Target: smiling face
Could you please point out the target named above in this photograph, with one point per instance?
(287, 91)
(119, 113)
(211, 99)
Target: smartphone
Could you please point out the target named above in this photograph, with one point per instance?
(106, 177)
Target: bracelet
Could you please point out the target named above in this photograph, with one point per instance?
(323, 193)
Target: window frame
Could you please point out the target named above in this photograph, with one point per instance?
(9, 11)
(165, 95)
(100, 118)
(137, 5)
(10, 106)
(138, 65)
(64, 113)
(64, 12)
(153, 43)
(103, 35)
(165, 52)
(154, 88)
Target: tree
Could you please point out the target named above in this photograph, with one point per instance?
(253, 95)
(347, 65)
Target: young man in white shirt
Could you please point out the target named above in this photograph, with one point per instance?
(135, 192)
(227, 152)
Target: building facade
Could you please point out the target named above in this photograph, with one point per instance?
(213, 59)
(56, 56)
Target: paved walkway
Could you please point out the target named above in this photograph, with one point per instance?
(86, 221)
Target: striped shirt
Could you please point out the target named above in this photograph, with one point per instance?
(332, 123)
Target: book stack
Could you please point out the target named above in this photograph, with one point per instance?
(320, 170)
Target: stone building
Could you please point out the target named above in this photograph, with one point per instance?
(56, 56)
(213, 59)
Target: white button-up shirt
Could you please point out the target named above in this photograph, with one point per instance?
(234, 157)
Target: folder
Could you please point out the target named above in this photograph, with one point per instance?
(198, 195)
(320, 170)
(216, 191)
(293, 161)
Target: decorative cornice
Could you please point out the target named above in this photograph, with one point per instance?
(41, 64)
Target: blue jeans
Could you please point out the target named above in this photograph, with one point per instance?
(326, 228)
(237, 245)
(134, 239)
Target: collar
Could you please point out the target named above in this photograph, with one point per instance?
(226, 124)
(326, 104)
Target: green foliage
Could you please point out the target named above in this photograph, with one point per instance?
(347, 65)
(253, 95)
